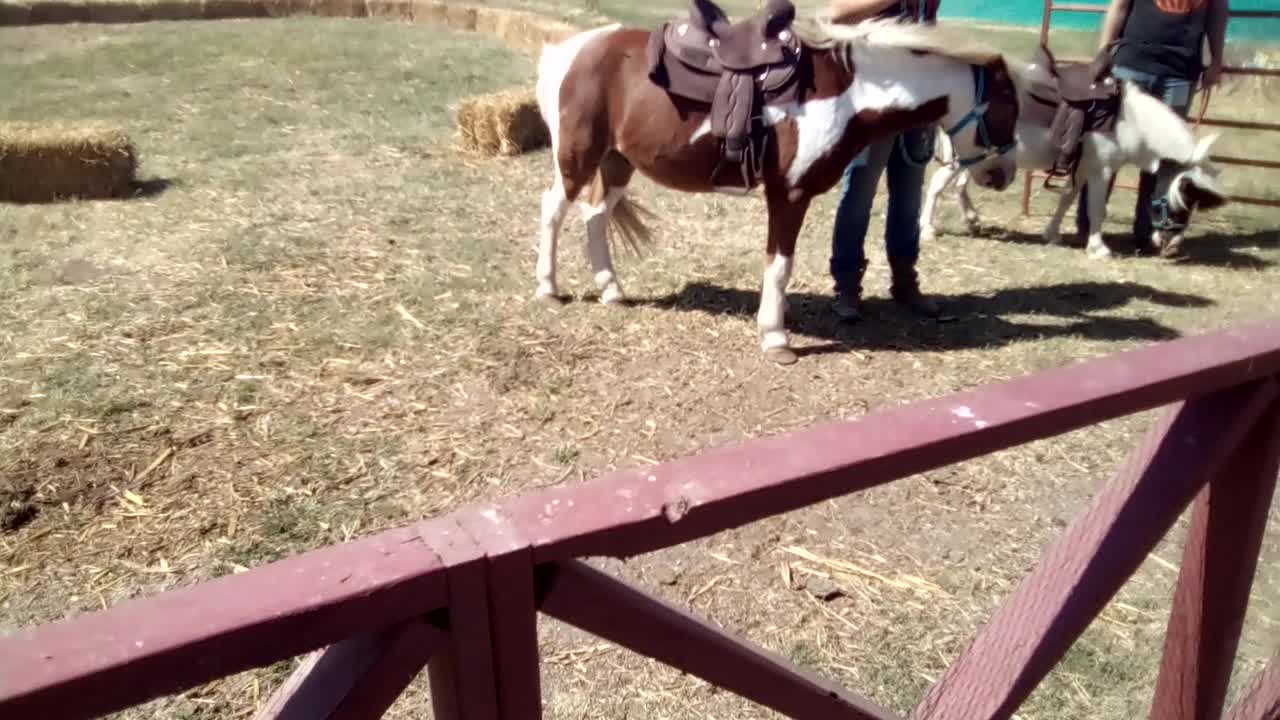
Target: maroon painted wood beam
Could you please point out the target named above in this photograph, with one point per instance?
(105, 661)
(315, 599)
(602, 605)
(462, 676)
(358, 678)
(513, 612)
(1081, 571)
(514, 618)
(1218, 564)
(491, 668)
(1261, 698)
(640, 510)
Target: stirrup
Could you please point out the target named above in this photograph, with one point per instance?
(1066, 182)
(742, 168)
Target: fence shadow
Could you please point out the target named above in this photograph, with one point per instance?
(970, 321)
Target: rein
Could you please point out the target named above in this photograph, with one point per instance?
(978, 115)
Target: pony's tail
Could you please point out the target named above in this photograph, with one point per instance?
(627, 220)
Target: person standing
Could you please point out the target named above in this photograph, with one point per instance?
(1159, 45)
(903, 158)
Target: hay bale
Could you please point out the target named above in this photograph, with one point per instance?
(338, 8)
(53, 12)
(14, 14)
(286, 8)
(41, 162)
(488, 20)
(501, 123)
(175, 10)
(117, 11)
(460, 18)
(429, 11)
(233, 9)
(390, 9)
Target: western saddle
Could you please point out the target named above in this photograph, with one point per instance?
(1084, 97)
(732, 70)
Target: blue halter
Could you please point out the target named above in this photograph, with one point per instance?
(978, 115)
(1162, 216)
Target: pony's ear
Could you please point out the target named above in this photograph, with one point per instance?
(1200, 195)
(1201, 153)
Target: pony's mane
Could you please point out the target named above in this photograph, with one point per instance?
(1166, 132)
(822, 34)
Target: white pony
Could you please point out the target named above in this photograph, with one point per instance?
(1146, 132)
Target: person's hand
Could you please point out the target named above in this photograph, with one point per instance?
(1212, 75)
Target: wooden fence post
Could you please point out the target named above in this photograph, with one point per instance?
(490, 669)
(610, 608)
(1218, 565)
(1075, 578)
(1261, 699)
(463, 684)
(356, 679)
(514, 617)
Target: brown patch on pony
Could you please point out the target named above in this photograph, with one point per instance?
(1003, 103)
(1200, 198)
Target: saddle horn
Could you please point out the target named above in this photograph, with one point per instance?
(779, 15)
(1046, 56)
(1103, 62)
(708, 17)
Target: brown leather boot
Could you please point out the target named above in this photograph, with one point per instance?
(849, 299)
(906, 289)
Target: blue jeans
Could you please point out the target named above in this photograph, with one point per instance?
(905, 156)
(1175, 92)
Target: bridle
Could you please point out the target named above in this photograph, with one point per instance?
(979, 115)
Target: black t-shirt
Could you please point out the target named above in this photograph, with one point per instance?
(1164, 37)
(918, 10)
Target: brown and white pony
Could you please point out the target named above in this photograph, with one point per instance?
(869, 81)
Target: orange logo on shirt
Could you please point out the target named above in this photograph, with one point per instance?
(1179, 7)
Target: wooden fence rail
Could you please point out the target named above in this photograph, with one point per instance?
(460, 594)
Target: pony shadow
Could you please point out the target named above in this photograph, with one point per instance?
(971, 321)
(1221, 249)
(137, 190)
(1211, 248)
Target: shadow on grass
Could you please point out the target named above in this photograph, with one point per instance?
(970, 320)
(138, 190)
(1212, 248)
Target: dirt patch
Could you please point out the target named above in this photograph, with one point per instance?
(16, 506)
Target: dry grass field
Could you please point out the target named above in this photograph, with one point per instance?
(324, 326)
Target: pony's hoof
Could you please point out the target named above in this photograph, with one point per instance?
(782, 355)
(1172, 247)
(928, 234)
(1099, 252)
(549, 298)
(1053, 237)
(613, 297)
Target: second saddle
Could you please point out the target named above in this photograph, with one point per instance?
(732, 70)
(1084, 98)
